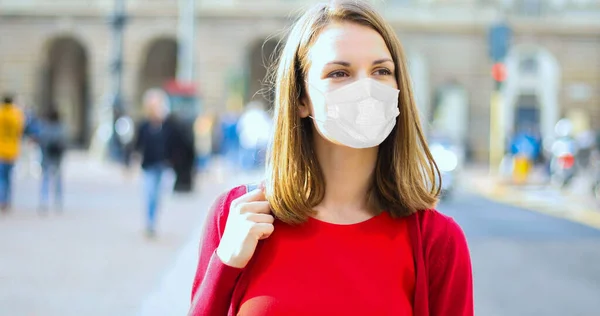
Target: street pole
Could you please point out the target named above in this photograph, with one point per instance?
(116, 65)
(115, 106)
(497, 137)
(185, 75)
(499, 43)
(186, 39)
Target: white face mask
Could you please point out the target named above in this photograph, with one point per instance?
(361, 114)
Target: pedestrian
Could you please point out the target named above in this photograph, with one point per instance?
(344, 222)
(32, 123)
(12, 123)
(597, 143)
(151, 142)
(53, 144)
(203, 139)
(29, 161)
(181, 153)
(254, 130)
(230, 145)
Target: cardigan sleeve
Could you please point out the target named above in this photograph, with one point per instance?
(450, 274)
(214, 281)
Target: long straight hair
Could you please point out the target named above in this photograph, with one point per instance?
(406, 177)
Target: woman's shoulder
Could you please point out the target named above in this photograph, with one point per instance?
(218, 212)
(434, 222)
(442, 235)
(224, 199)
(447, 263)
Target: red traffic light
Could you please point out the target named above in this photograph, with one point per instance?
(499, 72)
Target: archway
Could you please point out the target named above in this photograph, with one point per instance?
(159, 65)
(531, 91)
(64, 86)
(262, 57)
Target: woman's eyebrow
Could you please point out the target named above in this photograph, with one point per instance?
(337, 62)
(383, 60)
(347, 64)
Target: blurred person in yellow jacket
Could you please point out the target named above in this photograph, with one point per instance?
(12, 123)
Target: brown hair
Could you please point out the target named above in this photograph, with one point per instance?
(406, 177)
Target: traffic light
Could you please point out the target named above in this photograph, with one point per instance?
(499, 74)
(499, 40)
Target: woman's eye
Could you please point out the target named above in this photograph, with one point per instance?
(337, 74)
(383, 72)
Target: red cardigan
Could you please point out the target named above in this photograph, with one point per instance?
(444, 284)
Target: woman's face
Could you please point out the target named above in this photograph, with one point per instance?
(342, 54)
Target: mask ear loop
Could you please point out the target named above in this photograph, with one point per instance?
(323, 94)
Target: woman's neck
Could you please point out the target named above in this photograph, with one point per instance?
(348, 176)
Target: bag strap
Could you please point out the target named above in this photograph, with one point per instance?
(251, 187)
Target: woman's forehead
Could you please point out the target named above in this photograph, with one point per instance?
(348, 42)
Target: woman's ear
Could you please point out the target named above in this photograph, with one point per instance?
(304, 106)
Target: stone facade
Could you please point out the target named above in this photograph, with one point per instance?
(451, 43)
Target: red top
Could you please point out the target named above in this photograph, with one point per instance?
(325, 269)
(442, 269)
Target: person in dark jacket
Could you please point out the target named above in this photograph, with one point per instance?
(52, 138)
(153, 139)
(182, 154)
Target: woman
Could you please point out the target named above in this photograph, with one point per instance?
(343, 224)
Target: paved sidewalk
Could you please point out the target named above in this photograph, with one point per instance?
(93, 258)
(172, 295)
(574, 203)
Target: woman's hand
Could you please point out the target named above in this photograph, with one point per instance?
(249, 221)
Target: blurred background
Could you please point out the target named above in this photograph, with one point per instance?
(508, 92)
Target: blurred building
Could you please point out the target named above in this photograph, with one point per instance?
(60, 51)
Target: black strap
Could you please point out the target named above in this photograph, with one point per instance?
(251, 187)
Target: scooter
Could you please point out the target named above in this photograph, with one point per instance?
(596, 181)
(596, 189)
(563, 165)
